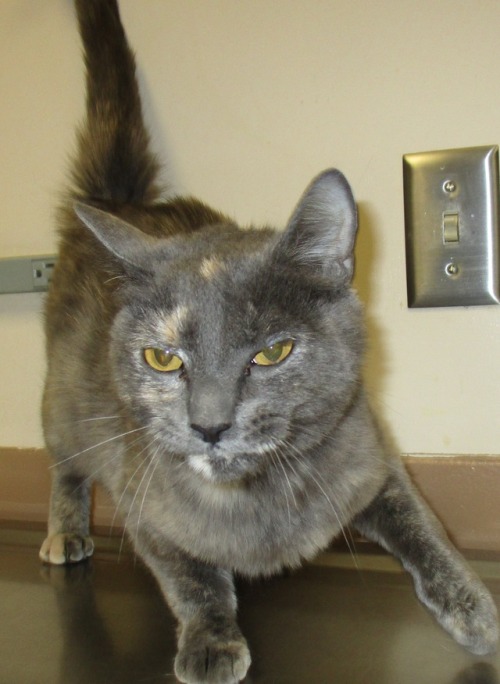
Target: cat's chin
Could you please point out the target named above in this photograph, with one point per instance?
(200, 464)
(218, 471)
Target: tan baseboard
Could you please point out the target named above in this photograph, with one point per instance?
(24, 484)
(25, 490)
(463, 491)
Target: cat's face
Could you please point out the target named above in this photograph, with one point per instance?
(234, 348)
(228, 369)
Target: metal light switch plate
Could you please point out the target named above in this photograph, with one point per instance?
(452, 227)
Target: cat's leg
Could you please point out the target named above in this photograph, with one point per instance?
(211, 647)
(400, 522)
(68, 539)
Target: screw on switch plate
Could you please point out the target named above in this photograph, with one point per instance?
(452, 227)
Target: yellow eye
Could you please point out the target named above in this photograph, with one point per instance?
(161, 360)
(276, 353)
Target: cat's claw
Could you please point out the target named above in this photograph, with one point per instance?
(62, 548)
(209, 659)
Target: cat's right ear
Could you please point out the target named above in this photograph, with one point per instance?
(125, 241)
(321, 233)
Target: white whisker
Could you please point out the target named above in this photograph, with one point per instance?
(147, 458)
(96, 446)
(275, 458)
(283, 469)
(117, 277)
(157, 460)
(93, 474)
(122, 541)
(89, 420)
(350, 543)
(124, 490)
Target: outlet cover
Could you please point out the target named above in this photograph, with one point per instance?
(26, 274)
(452, 227)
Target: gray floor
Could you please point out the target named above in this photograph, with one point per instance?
(105, 622)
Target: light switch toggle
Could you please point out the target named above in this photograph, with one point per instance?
(450, 227)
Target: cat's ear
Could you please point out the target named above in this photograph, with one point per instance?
(125, 241)
(321, 233)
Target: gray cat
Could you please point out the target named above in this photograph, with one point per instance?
(210, 378)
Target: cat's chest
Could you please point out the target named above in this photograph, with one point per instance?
(251, 533)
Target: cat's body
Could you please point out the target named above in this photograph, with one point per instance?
(209, 377)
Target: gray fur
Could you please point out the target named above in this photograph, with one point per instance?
(222, 466)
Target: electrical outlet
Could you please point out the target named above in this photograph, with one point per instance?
(452, 227)
(26, 274)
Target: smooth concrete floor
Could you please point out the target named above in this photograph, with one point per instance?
(105, 622)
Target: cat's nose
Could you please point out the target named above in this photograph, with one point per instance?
(211, 434)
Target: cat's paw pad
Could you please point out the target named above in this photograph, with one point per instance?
(470, 616)
(209, 659)
(59, 549)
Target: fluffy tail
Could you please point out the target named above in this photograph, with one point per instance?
(113, 163)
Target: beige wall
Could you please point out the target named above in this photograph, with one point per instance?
(248, 100)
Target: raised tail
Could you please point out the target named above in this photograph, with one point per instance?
(113, 161)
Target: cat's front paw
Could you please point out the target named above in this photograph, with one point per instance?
(208, 658)
(62, 548)
(467, 611)
(473, 621)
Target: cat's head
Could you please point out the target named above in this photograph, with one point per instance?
(235, 346)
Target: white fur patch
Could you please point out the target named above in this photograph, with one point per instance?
(200, 464)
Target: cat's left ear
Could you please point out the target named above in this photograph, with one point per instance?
(124, 240)
(321, 233)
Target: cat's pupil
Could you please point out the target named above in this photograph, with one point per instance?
(163, 358)
(274, 352)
